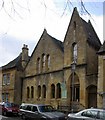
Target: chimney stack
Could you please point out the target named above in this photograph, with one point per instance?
(24, 55)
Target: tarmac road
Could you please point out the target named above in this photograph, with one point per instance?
(9, 118)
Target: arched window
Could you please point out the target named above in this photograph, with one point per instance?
(7, 97)
(74, 52)
(58, 90)
(3, 97)
(48, 62)
(74, 25)
(52, 91)
(32, 92)
(28, 92)
(43, 62)
(39, 91)
(44, 91)
(74, 32)
(38, 65)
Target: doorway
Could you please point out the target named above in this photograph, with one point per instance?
(92, 96)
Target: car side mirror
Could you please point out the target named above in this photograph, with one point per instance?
(83, 114)
(36, 112)
(2, 105)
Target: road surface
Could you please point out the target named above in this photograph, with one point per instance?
(9, 118)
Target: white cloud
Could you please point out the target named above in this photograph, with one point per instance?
(29, 29)
(32, 23)
(93, 0)
(98, 25)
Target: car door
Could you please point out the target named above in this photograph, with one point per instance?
(35, 113)
(90, 114)
(28, 112)
(0, 109)
(101, 115)
(32, 113)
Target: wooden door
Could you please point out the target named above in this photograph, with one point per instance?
(92, 96)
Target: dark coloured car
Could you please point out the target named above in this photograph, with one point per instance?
(9, 108)
(40, 112)
(88, 114)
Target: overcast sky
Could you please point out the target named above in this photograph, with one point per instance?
(24, 21)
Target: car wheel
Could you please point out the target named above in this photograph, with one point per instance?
(43, 119)
(4, 113)
(23, 117)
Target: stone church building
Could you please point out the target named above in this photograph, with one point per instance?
(69, 75)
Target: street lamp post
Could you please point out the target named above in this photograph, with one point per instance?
(73, 67)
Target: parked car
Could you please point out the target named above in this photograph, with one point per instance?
(88, 114)
(9, 108)
(40, 112)
(0, 108)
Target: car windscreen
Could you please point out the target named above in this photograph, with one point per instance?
(102, 115)
(46, 108)
(8, 105)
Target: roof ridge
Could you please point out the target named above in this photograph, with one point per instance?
(92, 37)
(58, 42)
(12, 63)
(102, 49)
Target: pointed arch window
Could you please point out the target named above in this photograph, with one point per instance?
(7, 97)
(38, 65)
(28, 92)
(43, 61)
(48, 62)
(39, 91)
(74, 52)
(74, 32)
(44, 91)
(74, 25)
(58, 90)
(3, 97)
(32, 92)
(52, 91)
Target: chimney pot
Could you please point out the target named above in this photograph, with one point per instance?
(24, 55)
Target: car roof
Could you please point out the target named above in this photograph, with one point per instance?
(95, 109)
(34, 104)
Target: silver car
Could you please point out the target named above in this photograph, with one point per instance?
(88, 114)
(40, 112)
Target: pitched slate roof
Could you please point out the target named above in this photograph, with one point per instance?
(14, 63)
(57, 42)
(102, 49)
(93, 39)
